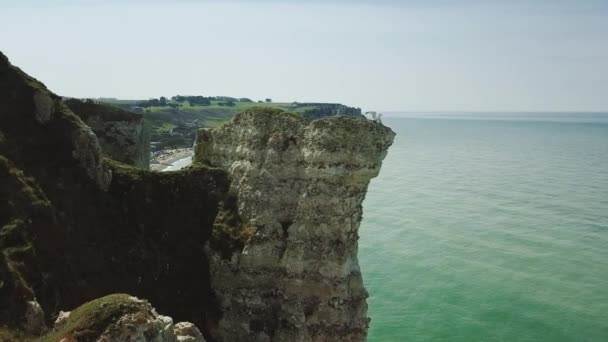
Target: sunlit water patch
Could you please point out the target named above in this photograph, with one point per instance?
(489, 230)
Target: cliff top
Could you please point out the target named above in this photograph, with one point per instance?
(87, 109)
(75, 226)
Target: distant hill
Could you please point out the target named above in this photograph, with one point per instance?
(174, 121)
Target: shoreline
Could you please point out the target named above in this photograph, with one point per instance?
(165, 158)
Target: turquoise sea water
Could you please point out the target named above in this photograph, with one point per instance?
(489, 229)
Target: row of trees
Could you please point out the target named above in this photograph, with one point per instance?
(194, 100)
(162, 101)
(206, 100)
(177, 100)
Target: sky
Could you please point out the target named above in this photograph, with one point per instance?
(378, 55)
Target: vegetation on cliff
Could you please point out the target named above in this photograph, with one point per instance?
(75, 226)
(123, 135)
(88, 109)
(90, 320)
(175, 121)
(283, 252)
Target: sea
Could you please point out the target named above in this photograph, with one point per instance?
(489, 227)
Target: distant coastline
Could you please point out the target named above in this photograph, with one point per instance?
(565, 117)
(166, 158)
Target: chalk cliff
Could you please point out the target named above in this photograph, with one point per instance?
(124, 136)
(257, 241)
(291, 272)
(75, 226)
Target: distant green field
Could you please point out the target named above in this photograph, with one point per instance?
(175, 124)
(238, 107)
(176, 127)
(164, 118)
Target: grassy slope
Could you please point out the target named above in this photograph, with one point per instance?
(90, 320)
(213, 115)
(175, 127)
(209, 116)
(238, 107)
(163, 119)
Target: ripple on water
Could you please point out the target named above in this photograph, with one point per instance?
(489, 231)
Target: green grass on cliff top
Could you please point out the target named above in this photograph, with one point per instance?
(89, 320)
(163, 118)
(238, 107)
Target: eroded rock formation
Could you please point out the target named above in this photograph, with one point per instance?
(256, 241)
(75, 226)
(291, 273)
(124, 136)
(120, 318)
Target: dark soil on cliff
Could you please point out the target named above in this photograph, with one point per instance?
(65, 240)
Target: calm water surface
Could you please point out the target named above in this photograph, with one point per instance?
(489, 229)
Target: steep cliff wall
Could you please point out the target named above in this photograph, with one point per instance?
(284, 249)
(75, 227)
(124, 136)
(262, 248)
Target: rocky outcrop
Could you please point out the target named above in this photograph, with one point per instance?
(75, 226)
(38, 134)
(27, 106)
(187, 332)
(256, 241)
(120, 318)
(124, 136)
(283, 256)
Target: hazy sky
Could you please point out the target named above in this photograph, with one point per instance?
(383, 55)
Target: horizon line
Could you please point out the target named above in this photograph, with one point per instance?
(500, 111)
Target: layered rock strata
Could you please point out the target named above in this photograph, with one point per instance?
(283, 254)
(256, 241)
(75, 226)
(124, 136)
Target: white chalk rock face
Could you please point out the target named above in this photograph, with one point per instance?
(292, 273)
(62, 318)
(188, 332)
(120, 318)
(146, 325)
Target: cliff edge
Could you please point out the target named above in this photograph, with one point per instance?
(75, 226)
(291, 272)
(256, 241)
(123, 135)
